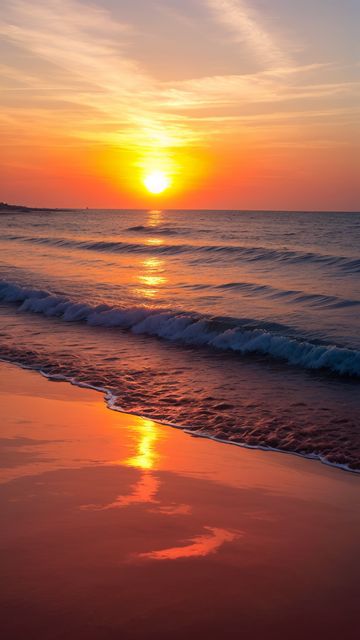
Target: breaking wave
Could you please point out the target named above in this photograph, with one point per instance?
(188, 328)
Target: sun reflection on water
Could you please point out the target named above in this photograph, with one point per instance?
(153, 281)
(147, 293)
(154, 217)
(152, 274)
(155, 241)
(153, 264)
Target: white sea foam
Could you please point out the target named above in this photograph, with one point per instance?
(187, 328)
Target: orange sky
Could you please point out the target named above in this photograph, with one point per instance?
(244, 105)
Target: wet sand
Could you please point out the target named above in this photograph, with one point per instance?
(117, 527)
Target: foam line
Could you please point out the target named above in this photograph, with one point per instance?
(111, 399)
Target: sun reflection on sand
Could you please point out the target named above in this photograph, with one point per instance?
(145, 435)
(146, 458)
(173, 509)
(144, 491)
(201, 546)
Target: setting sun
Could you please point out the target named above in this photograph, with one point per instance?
(156, 182)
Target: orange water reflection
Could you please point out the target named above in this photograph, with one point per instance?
(155, 241)
(151, 275)
(154, 217)
(153, 264)
(147, 293)
(153, 281)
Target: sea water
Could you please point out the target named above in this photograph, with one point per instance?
(238, 325)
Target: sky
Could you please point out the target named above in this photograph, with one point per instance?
(236, 104)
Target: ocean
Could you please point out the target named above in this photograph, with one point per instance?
(243, 326)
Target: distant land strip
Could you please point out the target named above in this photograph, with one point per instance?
(19, 208)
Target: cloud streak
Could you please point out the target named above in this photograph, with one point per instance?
(96, 92)
(245, 26)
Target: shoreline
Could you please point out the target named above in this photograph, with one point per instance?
(110, 401)
(117, 526)
(21, 208)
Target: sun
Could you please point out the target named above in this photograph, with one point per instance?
(156, 182)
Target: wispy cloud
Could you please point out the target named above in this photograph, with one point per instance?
(244, 23)
(95, 91)
(81, 39)
(91, 47)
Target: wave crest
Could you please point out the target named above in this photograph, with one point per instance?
(188, 329)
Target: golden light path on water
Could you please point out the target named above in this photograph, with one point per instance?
(152, 274)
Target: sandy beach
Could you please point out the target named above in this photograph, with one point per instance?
(116, 526)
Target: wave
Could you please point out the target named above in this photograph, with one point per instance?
(312, 300)
(151, 230)
(188, 328)
(201, 252)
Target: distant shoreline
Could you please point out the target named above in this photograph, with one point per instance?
(15, 208)
(19, 208)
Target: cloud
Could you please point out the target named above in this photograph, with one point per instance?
(77, 78)
(91, 47)
(245, 25)
(84, 40)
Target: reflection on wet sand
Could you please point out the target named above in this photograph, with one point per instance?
(143, 491)
(145, 456)
(173, 509)
(145, 436)
(201, 546)
(251, 538)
